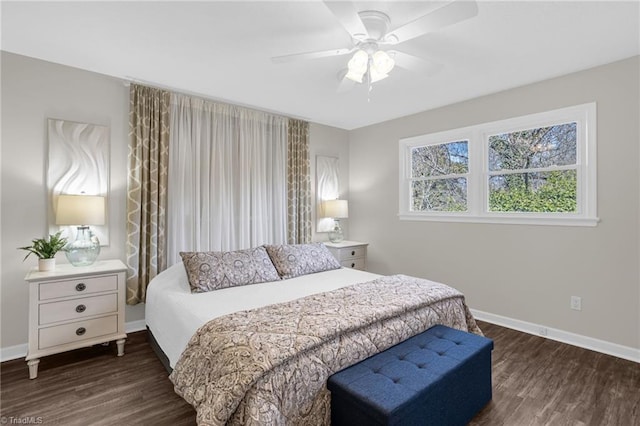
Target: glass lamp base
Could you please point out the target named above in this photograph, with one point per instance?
(336, 235)
(85, 249)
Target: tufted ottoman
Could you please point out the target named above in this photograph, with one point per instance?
(439, 377)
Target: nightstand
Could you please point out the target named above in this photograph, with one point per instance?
(350, 254)
(74, 307)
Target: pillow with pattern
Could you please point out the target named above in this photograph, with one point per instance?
(214, 270)
(292, 260)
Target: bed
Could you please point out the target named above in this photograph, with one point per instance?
(261, 353)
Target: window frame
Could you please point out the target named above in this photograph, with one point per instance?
(583, 115)
(439, 177)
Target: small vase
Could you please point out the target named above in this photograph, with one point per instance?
(46, 265)
(336, 235)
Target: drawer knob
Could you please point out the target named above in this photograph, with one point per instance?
(81, 331)
(81, 287)
(353, 265)
(353, 252)
(81, 308)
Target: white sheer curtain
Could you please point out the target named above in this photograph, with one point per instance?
(227, 177)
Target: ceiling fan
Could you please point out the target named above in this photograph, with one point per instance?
(373, 40)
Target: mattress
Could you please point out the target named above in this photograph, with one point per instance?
(174, 314)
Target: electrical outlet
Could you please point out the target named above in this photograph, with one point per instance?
(576, 303)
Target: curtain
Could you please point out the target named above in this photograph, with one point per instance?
(298, 183)
(228, 177)
(147, 188)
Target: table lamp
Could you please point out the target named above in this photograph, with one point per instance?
(336, 209)
(81, 211)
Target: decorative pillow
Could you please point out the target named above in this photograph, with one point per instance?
(292, 260)
(215, 270)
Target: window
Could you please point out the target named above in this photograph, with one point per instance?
(534, 170)
(537, 169)
(439, 177)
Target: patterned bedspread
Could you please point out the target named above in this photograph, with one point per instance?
(270, 365)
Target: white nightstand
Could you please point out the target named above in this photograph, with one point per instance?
(74, 307)
(350, 254)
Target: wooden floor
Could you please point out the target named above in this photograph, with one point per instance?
(535, 382)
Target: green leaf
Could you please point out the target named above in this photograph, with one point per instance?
(45, 248)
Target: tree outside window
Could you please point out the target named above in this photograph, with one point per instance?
(533, 170)
(537, 169)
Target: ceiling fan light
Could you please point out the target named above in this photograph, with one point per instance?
(377, 76)
(358, 62)
(382, 62)
(354, 76)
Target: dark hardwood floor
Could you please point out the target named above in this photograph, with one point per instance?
(535, 382)
(92, 386)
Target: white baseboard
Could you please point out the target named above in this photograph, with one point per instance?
(20, 351)
(13, 352)
(620, 351)
(591, 343)
(133, 326)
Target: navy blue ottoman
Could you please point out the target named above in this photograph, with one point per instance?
(439, 377)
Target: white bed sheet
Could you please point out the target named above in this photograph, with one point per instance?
(174, 314)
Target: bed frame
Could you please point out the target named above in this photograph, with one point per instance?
(164, 359)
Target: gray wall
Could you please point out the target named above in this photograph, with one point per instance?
(521, 272)
(32, 91)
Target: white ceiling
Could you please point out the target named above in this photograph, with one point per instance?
(222, 50)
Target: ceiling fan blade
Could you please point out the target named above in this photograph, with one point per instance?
(453, 12)
(347, 15)
(346, 85)
(311, 55)
(413, 63)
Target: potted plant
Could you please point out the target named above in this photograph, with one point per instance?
(46, 250)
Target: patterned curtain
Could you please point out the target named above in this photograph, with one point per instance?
(147, 188)
(298, 183)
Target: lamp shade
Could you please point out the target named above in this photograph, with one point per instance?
(336, 209)
(80, 210)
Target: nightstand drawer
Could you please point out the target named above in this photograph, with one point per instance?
(73, 307)
(354, 263)
(77, 308)
(348, 253)
(77, 287)
(77, 331)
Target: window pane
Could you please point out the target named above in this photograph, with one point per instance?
(438, 160)
(533, 148)
(440, 195)
(533, 192)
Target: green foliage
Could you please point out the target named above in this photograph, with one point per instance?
(45, 248)
(519, 162)
(556, 193)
